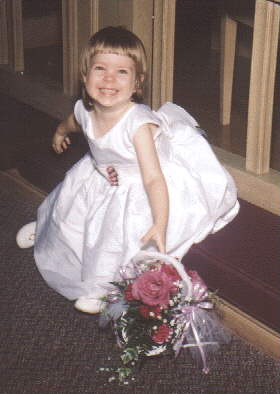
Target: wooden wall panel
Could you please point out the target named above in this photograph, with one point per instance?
(115, 13)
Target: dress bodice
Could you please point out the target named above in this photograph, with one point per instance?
(116, 148)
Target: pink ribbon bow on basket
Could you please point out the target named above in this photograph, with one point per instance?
(190, 313)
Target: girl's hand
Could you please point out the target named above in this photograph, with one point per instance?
(157, 235)
(60, 142)
(113, 176)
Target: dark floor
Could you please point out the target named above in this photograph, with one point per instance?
(48, 347)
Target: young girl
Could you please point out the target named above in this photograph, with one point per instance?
(172, 192)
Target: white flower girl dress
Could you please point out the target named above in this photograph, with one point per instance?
(87, 230)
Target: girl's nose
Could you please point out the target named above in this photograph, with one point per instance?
(109, 75)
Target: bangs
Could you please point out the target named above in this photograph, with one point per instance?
(117, 50)
(87, 59)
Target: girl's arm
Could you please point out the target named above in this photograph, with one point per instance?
(61, 140)
(155, 185)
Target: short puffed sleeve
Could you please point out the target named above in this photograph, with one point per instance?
(139, 116)
(81, 115)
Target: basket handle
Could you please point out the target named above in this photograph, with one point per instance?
(143, 254)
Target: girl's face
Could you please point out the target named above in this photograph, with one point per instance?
(111, 80)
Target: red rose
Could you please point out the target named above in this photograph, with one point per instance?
(162, 334)
(173, 275)
(128, 293)
(170, 271)
(152, 288)
(145, 310)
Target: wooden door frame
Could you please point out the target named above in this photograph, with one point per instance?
(4, 54)
(78, 23)
(14, 38)
(163, 52)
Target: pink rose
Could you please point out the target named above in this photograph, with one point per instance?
(162, 334)
(152, 288)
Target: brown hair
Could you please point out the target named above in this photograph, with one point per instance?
(117, 40)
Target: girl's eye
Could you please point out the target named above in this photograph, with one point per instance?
(121, 71)
(98, 68)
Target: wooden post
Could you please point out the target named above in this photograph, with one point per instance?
(3, 33)
(142, 26)
(228, 44)
(163, 51)
(15, 35)
(70, 46)
(263, 66)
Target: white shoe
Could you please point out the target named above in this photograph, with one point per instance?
(26, 235)
(89, 305)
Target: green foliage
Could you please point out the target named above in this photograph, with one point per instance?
(130, 354)
(120, 285)
(123, 373)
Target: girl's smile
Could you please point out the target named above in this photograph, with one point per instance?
(111, 80)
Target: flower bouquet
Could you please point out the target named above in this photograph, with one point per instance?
(159, 308)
